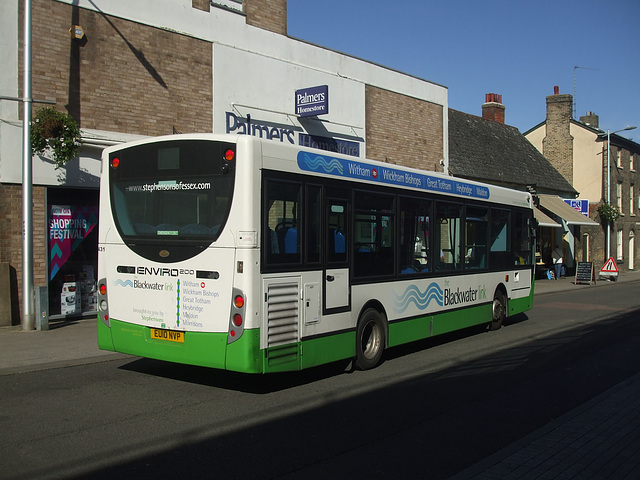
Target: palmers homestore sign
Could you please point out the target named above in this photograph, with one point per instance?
(312, 101)
(286, 134)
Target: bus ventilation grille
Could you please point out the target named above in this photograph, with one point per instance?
(282, 314)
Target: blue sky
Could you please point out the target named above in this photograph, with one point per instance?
(518, 49)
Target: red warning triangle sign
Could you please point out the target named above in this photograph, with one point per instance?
(609, 266)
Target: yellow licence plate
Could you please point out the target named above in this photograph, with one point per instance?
(170, 335)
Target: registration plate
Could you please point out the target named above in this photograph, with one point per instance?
(170, 335)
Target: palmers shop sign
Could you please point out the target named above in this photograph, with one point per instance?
(286, 134)
(312, 101)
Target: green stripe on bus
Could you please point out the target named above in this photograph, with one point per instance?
(466, 317)
(199, 348)
(331, 348)
(244, 355)
(519, 305)
(406, 331)
(105, 342)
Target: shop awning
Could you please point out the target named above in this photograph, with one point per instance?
(544, 220)
(559, 207)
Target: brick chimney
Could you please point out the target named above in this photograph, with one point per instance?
(267, 14)
(493, 109)
(591, 119)
(557, 145)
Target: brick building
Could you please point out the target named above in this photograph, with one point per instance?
(224, 66)
(579, 151)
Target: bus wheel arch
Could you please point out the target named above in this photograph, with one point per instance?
(371, 336)
(499, 308)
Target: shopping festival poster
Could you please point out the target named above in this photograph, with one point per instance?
(69, 225)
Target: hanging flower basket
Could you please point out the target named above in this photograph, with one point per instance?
(609, 212)
(56, 134)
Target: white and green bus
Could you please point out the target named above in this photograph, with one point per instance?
(244, 254)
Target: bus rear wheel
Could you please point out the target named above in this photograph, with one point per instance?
(499, 310)
(370, 339)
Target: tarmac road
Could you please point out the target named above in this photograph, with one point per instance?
(470, 405)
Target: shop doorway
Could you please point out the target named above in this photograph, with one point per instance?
(72, 251)
(632, 250)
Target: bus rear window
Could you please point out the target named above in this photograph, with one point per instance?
(177, 190)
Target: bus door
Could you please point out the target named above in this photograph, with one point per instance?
(337, 284)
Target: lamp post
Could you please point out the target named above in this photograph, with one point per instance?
(609, 132)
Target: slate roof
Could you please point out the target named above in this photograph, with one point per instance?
(492, 152)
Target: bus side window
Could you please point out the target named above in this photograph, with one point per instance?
(475, 248)
(273, 242)
(313, 225)
(336, 241)
(523, 247)
(500, 239)
(414, 236)
(374, 234)
(281, 238)
(448, 235)
(291, 239)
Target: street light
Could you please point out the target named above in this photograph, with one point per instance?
(609, 132)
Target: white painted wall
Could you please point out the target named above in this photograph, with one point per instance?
(587, 164)
(10, 127)
(249, 83)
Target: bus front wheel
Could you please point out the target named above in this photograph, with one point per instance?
(499, 310)
(370, 340)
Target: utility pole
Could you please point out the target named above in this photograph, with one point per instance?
(27, 319)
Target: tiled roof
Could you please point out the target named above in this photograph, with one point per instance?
(495, 153)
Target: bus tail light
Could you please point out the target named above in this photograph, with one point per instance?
(238, 301)
(236, 320)
(103, 303)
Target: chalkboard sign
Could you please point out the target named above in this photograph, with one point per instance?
(585, 273)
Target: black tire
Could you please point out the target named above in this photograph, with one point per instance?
(370, 339)
(498, 310)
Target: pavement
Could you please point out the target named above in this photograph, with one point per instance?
(598, 440)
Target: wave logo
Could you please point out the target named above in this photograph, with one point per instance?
(126, 283)
(320, 163)
(413, 295)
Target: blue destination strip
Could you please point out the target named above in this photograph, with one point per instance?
(312, 162)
